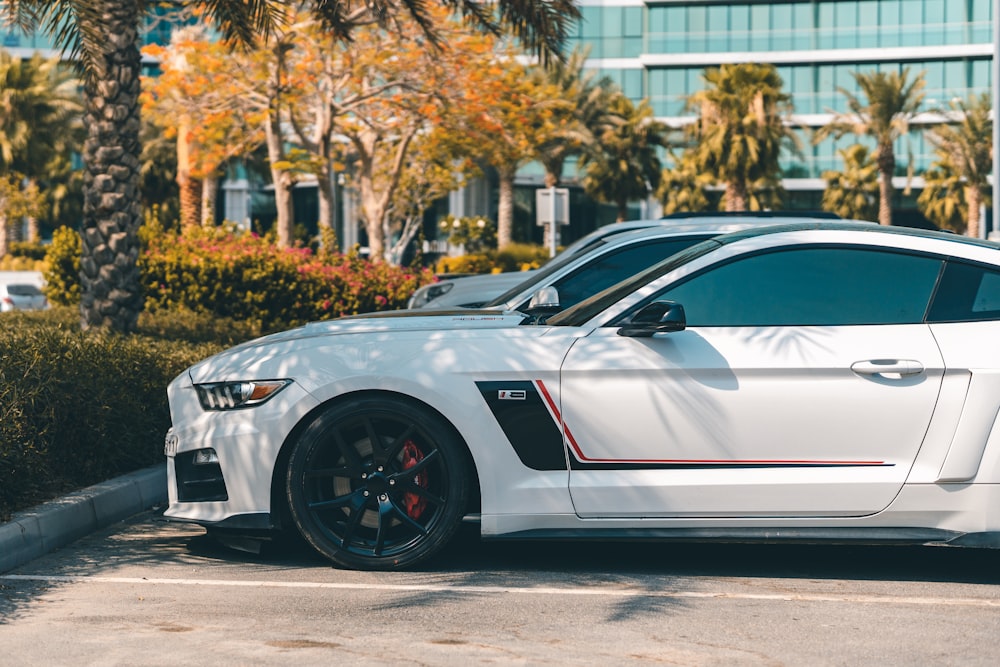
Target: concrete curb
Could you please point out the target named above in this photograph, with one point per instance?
(55, 524)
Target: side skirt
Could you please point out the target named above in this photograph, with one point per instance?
(874, 536)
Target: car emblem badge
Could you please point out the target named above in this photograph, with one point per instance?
(512, 395)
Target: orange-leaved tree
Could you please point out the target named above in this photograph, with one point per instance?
(508, 115)
(403, 95)
(198, 103)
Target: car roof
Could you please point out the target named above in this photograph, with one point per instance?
(857, 226)
(701, 220)
(818, 215)
(587, 308)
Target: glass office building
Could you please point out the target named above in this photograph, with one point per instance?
(658, 49)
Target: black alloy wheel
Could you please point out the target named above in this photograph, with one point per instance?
(377, 484)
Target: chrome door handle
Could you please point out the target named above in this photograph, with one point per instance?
(888, 367)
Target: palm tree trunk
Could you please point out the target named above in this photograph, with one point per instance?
(188, 187)
(886, 166)
(3, 230)
(736, 196)
(973, 198)
(34, 230)
(109, 278)
(621, 209)
(885, 192)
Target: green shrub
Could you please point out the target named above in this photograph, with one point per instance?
(190, 327)
(466, 264)
(477, 234)
(244, 277)
(12, 263)
(32, 251)
(62, 270)
(77, 408)
(514, 257)
(521, 257)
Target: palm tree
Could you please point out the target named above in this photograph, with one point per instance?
(968, 145)
(103, 38)
(683, 188)
(588, 115)
(39, 109)
(943, 197)
(623, 165)
(891, 100)
(741, 130)
(853, 192)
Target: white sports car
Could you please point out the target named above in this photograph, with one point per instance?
(830, 382)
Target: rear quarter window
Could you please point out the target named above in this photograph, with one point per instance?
(967, 293)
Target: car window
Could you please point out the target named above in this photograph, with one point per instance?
(23, 290)
(587, 309)
(540, 277)
(967, 293)
(810, 286)
(618, 265)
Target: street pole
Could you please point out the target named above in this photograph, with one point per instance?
(553, 246)
(995, 233)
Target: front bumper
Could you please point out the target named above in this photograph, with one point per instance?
(236, 479)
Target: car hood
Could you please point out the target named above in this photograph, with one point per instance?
(396, 321)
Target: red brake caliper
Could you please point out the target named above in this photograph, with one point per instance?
(414, 504)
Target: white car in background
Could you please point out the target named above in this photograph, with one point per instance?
(814, 382)
(476, 291)
(21, 296)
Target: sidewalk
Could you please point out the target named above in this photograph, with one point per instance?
(54, 524)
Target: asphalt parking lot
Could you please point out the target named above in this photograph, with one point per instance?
(149, 592)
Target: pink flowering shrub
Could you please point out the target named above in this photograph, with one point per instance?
(247, 278)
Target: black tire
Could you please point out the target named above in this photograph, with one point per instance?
(377, 484)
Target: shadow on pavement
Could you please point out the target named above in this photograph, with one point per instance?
(148, 541)
(468, 553)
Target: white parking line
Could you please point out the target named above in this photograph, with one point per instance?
(517, 590)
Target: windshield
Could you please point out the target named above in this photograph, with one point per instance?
(589, 308)
(594, 239)
(542, 275)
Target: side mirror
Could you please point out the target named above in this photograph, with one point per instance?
(657, 317)
(547, 297)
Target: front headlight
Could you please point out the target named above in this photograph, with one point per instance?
(235, 395)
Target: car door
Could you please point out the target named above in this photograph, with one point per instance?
(803, 385)
(965, 321)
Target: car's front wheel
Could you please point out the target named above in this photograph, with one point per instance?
(375, 483)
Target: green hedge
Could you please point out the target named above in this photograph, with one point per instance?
(515, 257)
(62, 268)
(76, 409)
